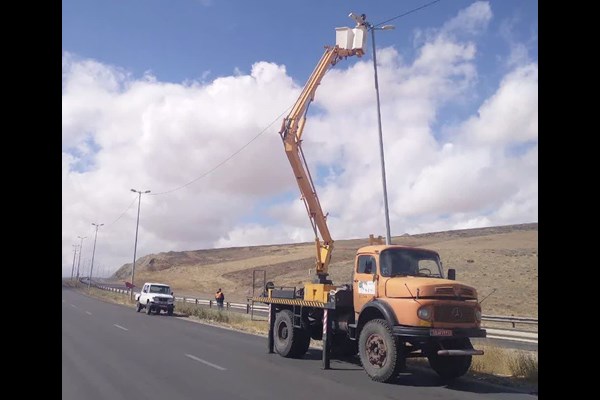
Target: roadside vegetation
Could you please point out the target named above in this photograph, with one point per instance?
(497, 365)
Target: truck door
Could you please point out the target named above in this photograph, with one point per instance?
(364, 285)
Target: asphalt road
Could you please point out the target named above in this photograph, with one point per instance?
(111, 352)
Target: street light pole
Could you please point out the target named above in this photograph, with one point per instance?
(93, 253)
(136, 238)
(80, 251)
(362, 20)
(74, 254)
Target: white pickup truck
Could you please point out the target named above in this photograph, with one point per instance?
(155, 297)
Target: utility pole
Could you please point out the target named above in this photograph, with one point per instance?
(93, 252)
(80, 251)
(74, 254)
(136, 238)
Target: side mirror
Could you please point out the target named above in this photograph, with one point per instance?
(452, 274)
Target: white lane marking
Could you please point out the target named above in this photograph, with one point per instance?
(74, 306)
(206, 362)
(120, 327)
(88, 313)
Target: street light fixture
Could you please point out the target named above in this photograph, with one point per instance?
(80, 251)
(93, 253)
(362, 21)
(74, 254)
(136, 237)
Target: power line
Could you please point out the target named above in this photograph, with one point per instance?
(227, 159)
(123, 213)
(209, 171)
(408, 12)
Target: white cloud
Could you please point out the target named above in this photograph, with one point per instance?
(120, 132)
(472, 20)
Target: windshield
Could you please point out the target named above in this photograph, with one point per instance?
(398, 262)
(160, 289)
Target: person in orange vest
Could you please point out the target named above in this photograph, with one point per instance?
(220, 297)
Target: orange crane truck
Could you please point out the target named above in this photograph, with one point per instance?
(400, 304)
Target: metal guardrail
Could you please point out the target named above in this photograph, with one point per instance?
(492, 333)
(511, 320)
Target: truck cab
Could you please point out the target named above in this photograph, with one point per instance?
(155, 297)
(401, 292)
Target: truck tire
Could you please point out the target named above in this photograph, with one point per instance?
(451, 367)
(170, 311)
(148, 309)
(138, 307)
(380, 352)
(290, 342)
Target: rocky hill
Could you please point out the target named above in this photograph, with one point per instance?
(501, 258)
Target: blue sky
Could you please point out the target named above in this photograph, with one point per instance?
(158, 94)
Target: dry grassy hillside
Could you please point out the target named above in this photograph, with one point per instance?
(502, 258)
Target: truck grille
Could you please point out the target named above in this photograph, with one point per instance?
(449, 291)
(453, 314)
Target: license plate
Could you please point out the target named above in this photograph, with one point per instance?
(440, 332)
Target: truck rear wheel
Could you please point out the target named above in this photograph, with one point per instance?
(380, 352)
(290, 342)
(451, 367)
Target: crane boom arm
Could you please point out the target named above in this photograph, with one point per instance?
(291, 134)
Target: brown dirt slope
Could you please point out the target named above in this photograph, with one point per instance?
(502, 258)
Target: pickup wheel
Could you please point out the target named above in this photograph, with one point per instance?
(138, 307)
(380, 352)
(290, 342)
(451, 367)
(170, 311)
(148, 309)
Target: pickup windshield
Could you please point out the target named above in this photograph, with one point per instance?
(410, 262)
(160, 289)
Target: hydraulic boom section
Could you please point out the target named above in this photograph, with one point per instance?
(291, 134)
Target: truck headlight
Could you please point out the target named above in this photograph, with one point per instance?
(425, 313)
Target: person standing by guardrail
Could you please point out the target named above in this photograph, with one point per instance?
(220, 298)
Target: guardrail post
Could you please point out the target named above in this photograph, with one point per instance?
(210, 304)
(196, 301)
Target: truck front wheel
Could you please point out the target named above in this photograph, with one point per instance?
(380, 352)
(148, 309)
(451, 367)
(290, 342)
(138, 307)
